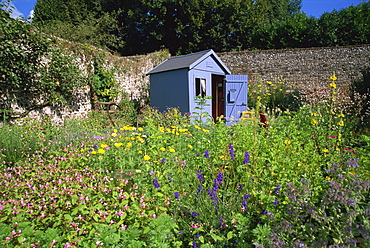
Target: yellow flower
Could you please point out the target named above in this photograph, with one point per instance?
(223, 157)
(333, 77)
(146, 157)
(100, 157)
(140, 152)
(115, 131)
(118, 144)
(101, 151)
(314, 122)
(341, 115)
(190, 146)
(138, 171)
(333, 85)
(325, 150)
(205, 130)
(341, 123)
(93, 152)
(140, 129)
(103, 145)
(172, 150)
(129, 144)
(114, 134)
(313, 114)
(162, 149)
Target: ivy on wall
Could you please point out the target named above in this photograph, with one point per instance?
(34, 71)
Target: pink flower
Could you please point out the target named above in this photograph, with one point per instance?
(1, 207)
(98, 243)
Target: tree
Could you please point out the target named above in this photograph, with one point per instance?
(34, 72)
(82, 21)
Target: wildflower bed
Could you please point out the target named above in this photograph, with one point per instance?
(298, 183)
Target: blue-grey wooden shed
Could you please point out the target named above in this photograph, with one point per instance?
(178, 80)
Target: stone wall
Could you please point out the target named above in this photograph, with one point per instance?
(307, 66)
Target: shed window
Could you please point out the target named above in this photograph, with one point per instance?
(200, 87)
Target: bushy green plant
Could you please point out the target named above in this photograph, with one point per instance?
(360, 95)
(273, 94)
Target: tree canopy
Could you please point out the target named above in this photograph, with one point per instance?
(182, 26)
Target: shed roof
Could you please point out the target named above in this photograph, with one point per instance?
(187, 61)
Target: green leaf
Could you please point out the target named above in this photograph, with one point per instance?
(201, 239)
(230, 235)
(216, 237)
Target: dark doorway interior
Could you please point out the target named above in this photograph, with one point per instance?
(218, 105)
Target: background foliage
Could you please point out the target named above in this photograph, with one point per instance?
(141, 26)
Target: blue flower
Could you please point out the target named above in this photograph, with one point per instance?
(206, 154)
(246, 158)
(156, 184)
(277, 189)
(231, 151)
(200, 176)
(177, 195)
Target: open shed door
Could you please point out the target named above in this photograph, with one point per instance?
(236, 90)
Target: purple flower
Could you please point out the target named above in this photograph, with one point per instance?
(277, 189)
(221, 221)
(200, 187)
(246, 158)
(156, 184)
(219, 178)
(200, 176)
(244, 202)
(206, 154)
(163, 160)
(180, 232)
(195, 245)
(276, 202)
(177, 195)
(194, 214)
(231, 151)
(151, 173)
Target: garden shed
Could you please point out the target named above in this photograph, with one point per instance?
(178, 80)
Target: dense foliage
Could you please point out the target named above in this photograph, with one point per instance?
(24, 71)
(141, 26)
(301, 182)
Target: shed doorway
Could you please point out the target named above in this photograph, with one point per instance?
(218, 95)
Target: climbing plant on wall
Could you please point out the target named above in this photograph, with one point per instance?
(103, 84)
(34, 71)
